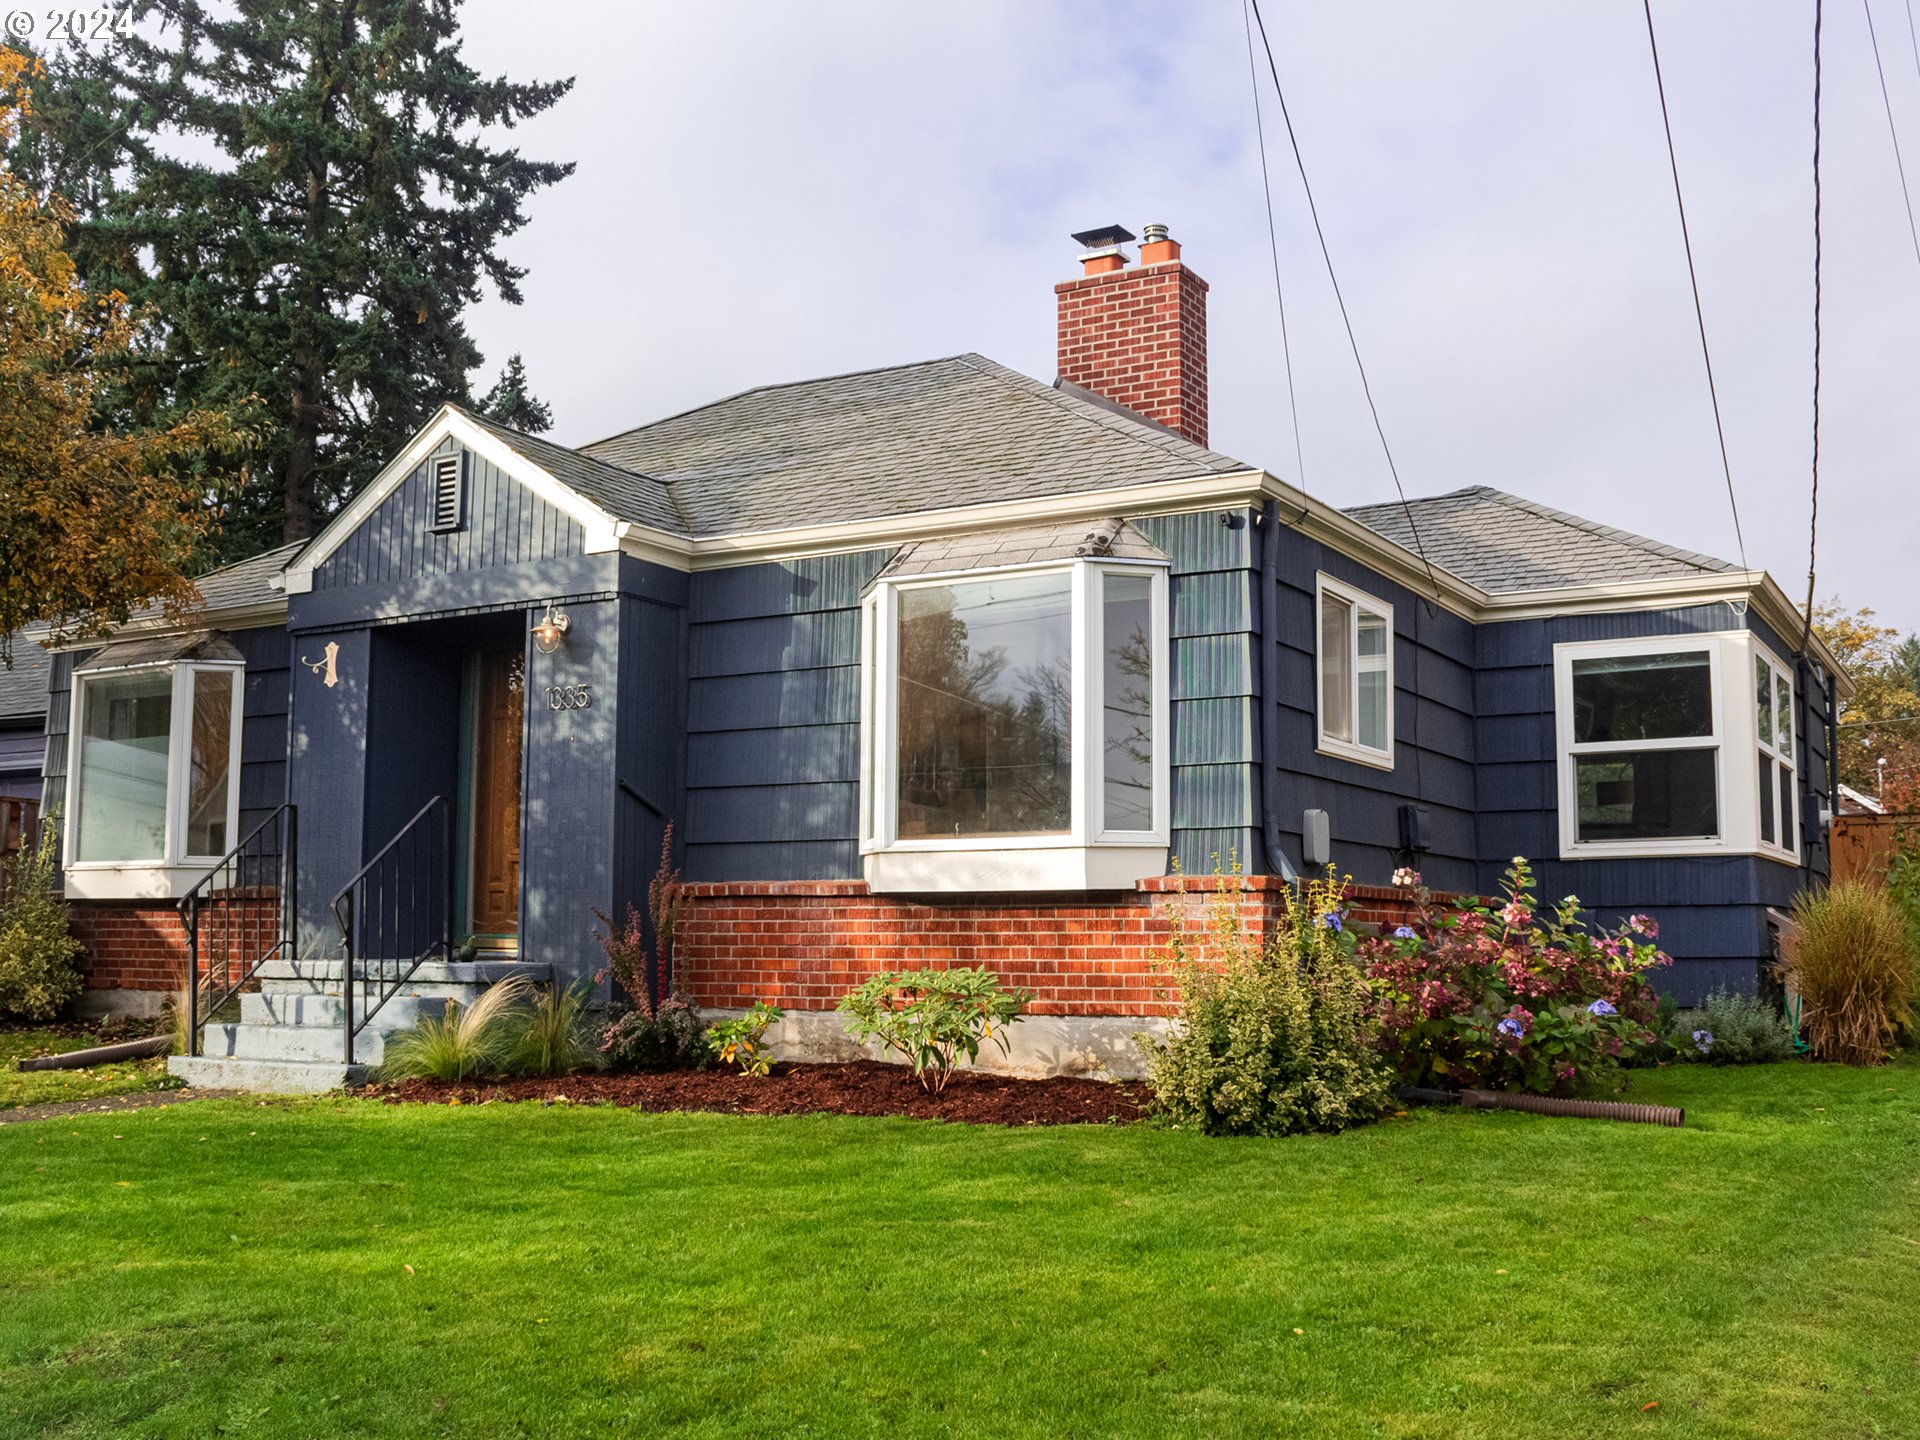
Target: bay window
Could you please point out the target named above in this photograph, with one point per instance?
(1355, 674)
(1655, 739)
(1015, 727)
(153, 771)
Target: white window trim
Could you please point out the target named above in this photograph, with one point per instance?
(1735, 739)
(1353, 750)
(1787, 827)
(171, 874)
(1087, 855)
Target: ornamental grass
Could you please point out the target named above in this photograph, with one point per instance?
(1848, 960)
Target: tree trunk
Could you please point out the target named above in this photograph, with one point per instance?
(303, 452)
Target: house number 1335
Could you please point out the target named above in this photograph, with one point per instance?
(569, 697)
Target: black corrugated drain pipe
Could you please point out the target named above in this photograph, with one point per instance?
(101, 1054)
(1549, 1105)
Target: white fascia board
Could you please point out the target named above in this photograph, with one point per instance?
(603, 530)
(1167, 497)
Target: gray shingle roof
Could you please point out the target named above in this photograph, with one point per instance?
(23, 689)
(1503, 544)
(958, 431)
(245, 582)
(623, 493)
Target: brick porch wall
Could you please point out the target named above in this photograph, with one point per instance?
(142, 944)
(802, 945)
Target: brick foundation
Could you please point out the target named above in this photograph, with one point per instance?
(142, 944)
(803, 945)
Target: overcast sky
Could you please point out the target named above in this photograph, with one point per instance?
(771, 192)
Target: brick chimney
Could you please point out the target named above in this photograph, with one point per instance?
(1137, 334)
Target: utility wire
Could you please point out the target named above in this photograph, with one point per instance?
(1913, 233)
(1327, 256)
(1693, 278)
(1913, 40)
(1273, 248)
(1813, 528)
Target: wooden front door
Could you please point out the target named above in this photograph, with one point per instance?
(499, 706)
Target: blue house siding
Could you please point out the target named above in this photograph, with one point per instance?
(773, 719)
(1711, 909)
(505, 523)
(650, 779)
(1434, 734)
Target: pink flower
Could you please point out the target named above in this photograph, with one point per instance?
(1516, 916)
(1643, 925)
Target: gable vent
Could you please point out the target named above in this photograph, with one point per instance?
(447, 497)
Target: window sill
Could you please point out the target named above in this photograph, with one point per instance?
(135, 880)
(1656, 850)
(1358, 754)
(1048, 868)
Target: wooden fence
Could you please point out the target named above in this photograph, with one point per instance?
(1863, 844)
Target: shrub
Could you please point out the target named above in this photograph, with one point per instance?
(643, 1035)
(1271, 1039)
(1848, 961)
(1729, 1029)
(1511, 998)
(932, 1017)
(461, 1043)
(1903, 888)
(550, 1036)
(742, 1041)
(39, 970)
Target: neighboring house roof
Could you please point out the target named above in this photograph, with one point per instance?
(879, 443)
(23, 689)
(1022, 545)
(1503, 544)
(1853, 802)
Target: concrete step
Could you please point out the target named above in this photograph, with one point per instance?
(292, 1042)
(265, 1077)
(443, 979)
(306, 1008)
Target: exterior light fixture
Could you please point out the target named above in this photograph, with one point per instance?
(551, 632)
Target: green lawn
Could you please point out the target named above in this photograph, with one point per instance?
(39, 1087)
(228, 1268)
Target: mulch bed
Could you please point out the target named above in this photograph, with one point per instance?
(862, 1087)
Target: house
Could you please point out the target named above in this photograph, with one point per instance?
(932, 663)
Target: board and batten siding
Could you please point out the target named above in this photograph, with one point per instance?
(1433, 725)
(505, 523)
(1711, 909)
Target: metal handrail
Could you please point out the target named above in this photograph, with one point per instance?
(207, 895)
(393, 881)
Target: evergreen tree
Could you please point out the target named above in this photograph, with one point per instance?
(305, 195)
(511, 404)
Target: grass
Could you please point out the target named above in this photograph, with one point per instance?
(41, 1087)
(242, 1269)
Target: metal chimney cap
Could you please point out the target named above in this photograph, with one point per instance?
(1153, 234)
(1104, 236)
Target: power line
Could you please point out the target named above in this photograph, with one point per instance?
(1326, 255)
(1913, 39)
(1693, 278)
(1273, 248)
(1813, 528)
(1886, 101)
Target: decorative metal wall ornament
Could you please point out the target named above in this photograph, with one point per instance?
(325, 664)
(551, 633)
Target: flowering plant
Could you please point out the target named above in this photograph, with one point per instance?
(1511, 996)
(742, 1041)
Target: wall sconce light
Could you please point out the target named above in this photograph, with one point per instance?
(551, 633)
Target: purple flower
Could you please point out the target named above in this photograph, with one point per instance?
(1703, 1040)
(1330, 921)
(1512, 1026)
(1403, 932)
(1602, 1007)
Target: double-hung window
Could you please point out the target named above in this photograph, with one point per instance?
(1657, 746)
(1773, 715)
(153, 786)
(1355, 674)
(1016, 727)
